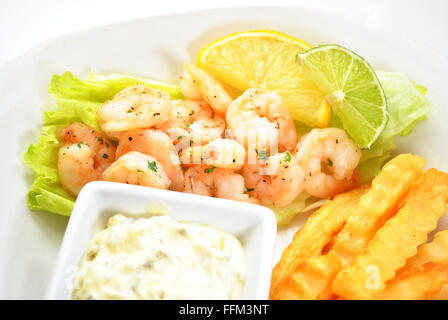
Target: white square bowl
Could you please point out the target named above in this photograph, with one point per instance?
(255, 226)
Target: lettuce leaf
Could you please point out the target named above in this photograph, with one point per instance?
(303, 203)
(48, 195)
(99, 88)
(77, 100)
(407, 105)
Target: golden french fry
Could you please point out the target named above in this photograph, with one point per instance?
(441, 295)
(331, 243)
(417, 283)
(397, 240)
(286, 291)
(435, 251)
(389, 188)
(313, 278)
(315, 234)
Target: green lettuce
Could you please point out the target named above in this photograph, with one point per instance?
(77, 100)
(407, 105)
(303, 203)
(47, 195)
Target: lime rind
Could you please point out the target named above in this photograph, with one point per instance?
(352, 88)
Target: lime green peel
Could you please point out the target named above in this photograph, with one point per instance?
(352, 88)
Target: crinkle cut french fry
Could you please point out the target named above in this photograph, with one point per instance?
(330, 244)
(397, 240)
(389, 188)
(417, 283)
(312, 279)
(435, 251)
(441, 295)
(315, 234)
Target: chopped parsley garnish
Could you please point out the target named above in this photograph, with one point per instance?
(180, 137)
(209, 170)
(250, 189)
(330, 162)
(100, 139)
(140, 170)
(129, 111)
(297, 57)
(107, 145)
(287, 157)
(80, 144)
(105, 156)
(189, 125)
(262, 155)
(152, 165)
(192, 112)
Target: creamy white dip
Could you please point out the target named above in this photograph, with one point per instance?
(160, 258)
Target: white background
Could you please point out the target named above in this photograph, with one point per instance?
(25, 23)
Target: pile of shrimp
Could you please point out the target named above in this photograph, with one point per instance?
(210, 144)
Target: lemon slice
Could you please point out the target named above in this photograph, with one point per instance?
(351, 87)
(267, 60)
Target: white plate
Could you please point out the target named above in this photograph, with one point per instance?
(156, 47)
(253, 225)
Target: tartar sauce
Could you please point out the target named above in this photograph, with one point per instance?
(160, 258)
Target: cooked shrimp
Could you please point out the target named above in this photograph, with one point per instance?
(84, 156)
(134, 108)
(216, 182)
(158, 145)
(328, 150)
(196, 84)
(189, 88)
(276, 180)
(193, 122)
(220, 153)
(259, 119)
(137, 168)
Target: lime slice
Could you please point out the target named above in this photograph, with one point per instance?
(351, 87)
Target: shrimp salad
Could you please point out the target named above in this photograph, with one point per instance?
(272, 136)
(209, 143)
